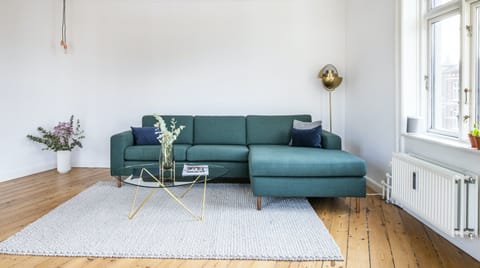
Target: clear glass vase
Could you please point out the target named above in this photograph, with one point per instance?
(166, 156)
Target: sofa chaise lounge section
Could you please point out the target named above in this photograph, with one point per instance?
(255, 147)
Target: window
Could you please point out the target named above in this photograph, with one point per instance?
(445, 74)
(448, 73)
(475, 61)
(436, 3)
(440, 64)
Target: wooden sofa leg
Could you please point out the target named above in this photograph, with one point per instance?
(119, 181)
(259, 203)
(357, 204)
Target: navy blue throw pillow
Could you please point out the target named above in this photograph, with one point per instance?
(145, 135)
(307, 137)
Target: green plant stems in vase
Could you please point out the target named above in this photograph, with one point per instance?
(62, 139)
(166, 156)
(166, 137)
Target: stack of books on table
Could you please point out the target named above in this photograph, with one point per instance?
(195, 170)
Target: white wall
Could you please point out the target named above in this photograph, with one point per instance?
(370, 128)
(128, 58)
(34, 84)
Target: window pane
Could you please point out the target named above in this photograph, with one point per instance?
(446, 74)
(477, 61)
(436, 3)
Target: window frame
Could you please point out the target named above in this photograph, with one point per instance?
(474, 94)
(437, 16)
(431, 7)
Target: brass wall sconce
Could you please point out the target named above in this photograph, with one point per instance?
(331, 80)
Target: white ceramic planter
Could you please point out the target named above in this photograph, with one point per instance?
(64, 163)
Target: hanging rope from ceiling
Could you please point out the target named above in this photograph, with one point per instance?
(63, 42)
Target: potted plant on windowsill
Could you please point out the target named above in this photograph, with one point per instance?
(474, 137)
(62, 140)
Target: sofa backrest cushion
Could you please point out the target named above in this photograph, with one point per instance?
(272, 129)
(220, 130)
(185, 137)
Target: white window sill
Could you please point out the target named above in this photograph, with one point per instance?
(442, 141)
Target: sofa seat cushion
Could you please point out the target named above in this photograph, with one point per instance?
(287, 161)
(234, 153)
(152, 152)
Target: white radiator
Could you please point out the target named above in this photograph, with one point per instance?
(440, 197)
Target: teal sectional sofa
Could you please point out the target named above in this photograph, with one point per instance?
(257, 147)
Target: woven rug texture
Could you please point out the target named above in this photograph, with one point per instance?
(95, 223)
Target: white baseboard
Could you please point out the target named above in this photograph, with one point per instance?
(376, 186)
(18, 173)
(91, 164)
(14, 174)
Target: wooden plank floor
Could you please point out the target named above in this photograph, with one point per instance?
(381, 235)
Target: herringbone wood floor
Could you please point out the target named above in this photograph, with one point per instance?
(381, 235)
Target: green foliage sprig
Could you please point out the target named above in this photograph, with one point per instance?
(63, 137)
(166, 136)
(475, 131)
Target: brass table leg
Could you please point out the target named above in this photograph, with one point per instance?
(204, 194)
(190, 187)
(181, 203)
(134, 211)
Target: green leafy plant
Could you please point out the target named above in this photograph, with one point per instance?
(64, 136)
(166, 136)
(475, 131)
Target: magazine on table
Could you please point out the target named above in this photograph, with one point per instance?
(194, 170)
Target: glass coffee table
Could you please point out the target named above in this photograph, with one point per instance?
(150, 176)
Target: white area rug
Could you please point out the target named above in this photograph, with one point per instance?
(95, 223)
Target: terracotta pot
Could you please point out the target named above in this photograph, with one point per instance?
(477, 140)
(473, 141)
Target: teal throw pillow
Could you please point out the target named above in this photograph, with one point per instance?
(307, 137)
(145, 135)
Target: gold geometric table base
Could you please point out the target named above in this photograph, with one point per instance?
(161, 185)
